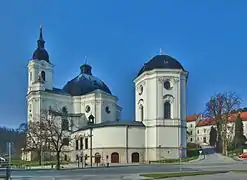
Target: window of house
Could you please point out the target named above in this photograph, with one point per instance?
(65, 124)
(31, 76)
(76, 145)
(191, 125)
(65, 157)
(65, 141)
(167, 110)
(30, 107)
(81, 143)
(204, 130)
(198, 131)
(86, 143)
(191, 139)
(43, 75)
(141, 113)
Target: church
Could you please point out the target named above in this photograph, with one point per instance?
(158, 131)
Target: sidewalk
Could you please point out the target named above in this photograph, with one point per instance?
(74, 166)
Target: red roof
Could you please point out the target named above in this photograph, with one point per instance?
(212, 121)
(192, 117)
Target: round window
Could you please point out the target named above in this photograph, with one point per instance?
(87, 109)
(167, 85)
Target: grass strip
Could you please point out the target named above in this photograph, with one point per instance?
(175, 160)
(180, 174)
(239, 171)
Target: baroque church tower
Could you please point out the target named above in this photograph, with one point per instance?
(40, 72)
(160, 103)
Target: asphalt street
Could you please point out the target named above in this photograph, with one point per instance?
(212, 161)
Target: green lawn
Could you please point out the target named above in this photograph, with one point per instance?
(34, 163)
(175, 160)
(243, 171)
(180, 174)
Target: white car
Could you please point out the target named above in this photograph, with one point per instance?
(2, 162)
(2, 159)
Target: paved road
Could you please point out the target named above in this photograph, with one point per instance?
(224, 176)
(212, 157)
(212, 161)
(99, 173)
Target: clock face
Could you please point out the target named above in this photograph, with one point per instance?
(167, 85)
(140, 90)
(87, 109)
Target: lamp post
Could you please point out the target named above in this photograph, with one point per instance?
(90, 123)
(160, 153)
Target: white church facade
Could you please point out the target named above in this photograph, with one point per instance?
(159, 128)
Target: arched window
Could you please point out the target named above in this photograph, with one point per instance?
(30, 76)
(167, 110)
(141, 112)
(43, 75)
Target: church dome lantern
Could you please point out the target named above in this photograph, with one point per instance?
(85, 83)
(40, 53)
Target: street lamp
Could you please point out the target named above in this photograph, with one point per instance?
(90, 123)
(159, 153)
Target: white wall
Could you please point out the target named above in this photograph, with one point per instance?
(115, 137)
(153, 97)
(34, 69)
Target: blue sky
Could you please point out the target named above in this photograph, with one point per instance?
(208, 37)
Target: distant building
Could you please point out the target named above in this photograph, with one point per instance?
(159, 128)
(198, 128)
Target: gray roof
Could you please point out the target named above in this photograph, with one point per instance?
(85, 83)
(113, 124)
(161, 62)
(57, 91)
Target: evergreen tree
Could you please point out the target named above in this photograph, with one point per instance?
(239, 138)
(212, 136)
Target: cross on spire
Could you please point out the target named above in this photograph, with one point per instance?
(41, 32)
(161, 51)
(41, 42)
(85, 60)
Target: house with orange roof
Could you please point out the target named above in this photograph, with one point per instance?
(199, 127)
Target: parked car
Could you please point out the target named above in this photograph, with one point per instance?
(243, 155)
(3, 162)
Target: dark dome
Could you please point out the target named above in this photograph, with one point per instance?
(41, 54)
(85, 83)
(161, 62)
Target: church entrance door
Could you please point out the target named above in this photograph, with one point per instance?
(135, 157)
(97, 158)
(115, 157)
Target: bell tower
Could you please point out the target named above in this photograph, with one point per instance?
(160, 103)
(40, 69)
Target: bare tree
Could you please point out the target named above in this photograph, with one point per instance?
(36, 138)
(58, 131)
(220, 108)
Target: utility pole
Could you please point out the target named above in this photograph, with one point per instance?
(91, 147)
(8, 171)
(180, 156)
(90, 123)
